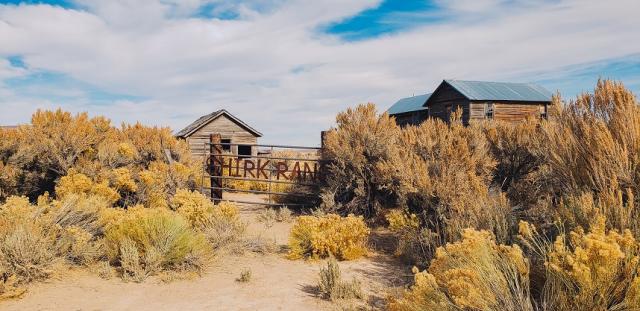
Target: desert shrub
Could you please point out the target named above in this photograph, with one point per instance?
(283, 214)
(245, 276)
(80, 228)
(147, 241)
(26, 243)
(79, 184)
(360, 143)
(57, 144)
(414, 242)
(220, 223)
(224, 227)
(331, 286)
(593, 147)
(520, 152)
(445, 178)
(267, 216)
(323, 236)
(595, 270)
(472, 274)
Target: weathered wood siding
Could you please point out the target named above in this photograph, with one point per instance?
(410, 118)
(477, 111)
(517, 111)
(446, 101)
(227, 129)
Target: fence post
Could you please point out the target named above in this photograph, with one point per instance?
(215, 167)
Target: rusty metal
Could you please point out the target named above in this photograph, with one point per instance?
(281, 170)
(262, 180)
(302, 194)
(215, 150)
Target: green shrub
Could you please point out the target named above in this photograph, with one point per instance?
(150, 240)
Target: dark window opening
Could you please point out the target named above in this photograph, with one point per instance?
(544, 114)
(244, 151)
(226, 144)
(489, 111)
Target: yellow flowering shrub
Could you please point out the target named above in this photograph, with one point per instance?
(592, 270)
(77, 183)
(123, 180)
(321, 236)
(193, 206)
(472, 274)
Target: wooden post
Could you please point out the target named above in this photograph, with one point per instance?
(323, 135)
(215, 167)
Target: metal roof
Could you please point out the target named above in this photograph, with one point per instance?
(409, 104)
(204, 120)
(481, 90)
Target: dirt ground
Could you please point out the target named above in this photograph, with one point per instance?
(276, 283)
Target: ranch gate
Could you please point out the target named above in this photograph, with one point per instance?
(286, 175)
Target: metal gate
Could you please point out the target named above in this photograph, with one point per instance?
(286, 175)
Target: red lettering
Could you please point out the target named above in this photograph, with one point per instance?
(249, 168)
(261, 169)
(295, 172)
(281, 169)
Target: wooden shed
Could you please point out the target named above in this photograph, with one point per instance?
(481, 100)
(231, 129)
(410, 110)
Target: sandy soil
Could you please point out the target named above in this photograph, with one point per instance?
(276, 284)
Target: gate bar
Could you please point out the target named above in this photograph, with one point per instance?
(302, 194)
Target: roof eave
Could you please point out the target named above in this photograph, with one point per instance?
(213, 117)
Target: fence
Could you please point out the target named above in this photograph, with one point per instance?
(283, 173)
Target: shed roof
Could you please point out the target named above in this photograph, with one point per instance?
(483, 90)
(409, 104)
(204, 120)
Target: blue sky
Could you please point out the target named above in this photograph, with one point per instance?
(288, 66)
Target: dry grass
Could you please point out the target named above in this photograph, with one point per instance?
(331, 286)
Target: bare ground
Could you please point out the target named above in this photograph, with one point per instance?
(276, 284)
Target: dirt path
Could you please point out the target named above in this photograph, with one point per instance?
(276, 284)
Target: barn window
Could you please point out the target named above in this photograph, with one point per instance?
(543, 112)
(489, 111)
(244, 151)
(226, 144)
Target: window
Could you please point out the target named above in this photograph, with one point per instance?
(226, 144)
(543, 112)
(244, 151)
(489, 111)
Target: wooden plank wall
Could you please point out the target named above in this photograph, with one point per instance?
(514, 112)
(477, 111)
(227, 129)
(447, 95)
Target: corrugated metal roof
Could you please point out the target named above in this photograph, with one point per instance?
(204, 120)
(409, 104)
(481, 90)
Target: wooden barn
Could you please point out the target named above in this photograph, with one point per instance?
(410, 110)
(481, 100)
(231, 129)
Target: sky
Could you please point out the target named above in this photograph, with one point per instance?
(287, 67)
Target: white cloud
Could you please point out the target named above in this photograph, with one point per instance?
(275, 71)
